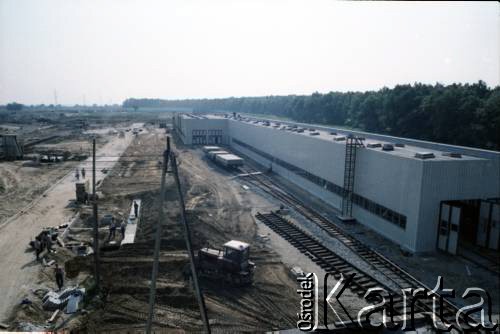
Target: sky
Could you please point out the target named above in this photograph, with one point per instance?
(94, 51)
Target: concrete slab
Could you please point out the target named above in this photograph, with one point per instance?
(132, 223)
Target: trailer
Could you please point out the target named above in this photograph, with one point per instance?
(212, 154)
(229, 160)
(207, 149)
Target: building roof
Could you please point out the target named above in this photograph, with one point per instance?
(402, 147)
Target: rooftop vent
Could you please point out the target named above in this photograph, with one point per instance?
(424, 155)
(452, 154)
(373, 145)
(387, 147)
(399, 145)
(341, 138)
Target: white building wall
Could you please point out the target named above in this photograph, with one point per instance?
(187, 125)
(327, 196)
(394, 182)
(408, 186)
(388, 180)
(450, 180)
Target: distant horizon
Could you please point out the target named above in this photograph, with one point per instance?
(249, 96)
(102, 52)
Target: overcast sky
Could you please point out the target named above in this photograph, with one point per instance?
(106, 51)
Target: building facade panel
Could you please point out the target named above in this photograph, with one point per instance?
(395, 194)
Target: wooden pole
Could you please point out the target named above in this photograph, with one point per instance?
(187, 236)
(96, 222)
(161, 219)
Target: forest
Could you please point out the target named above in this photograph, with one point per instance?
(459, 114)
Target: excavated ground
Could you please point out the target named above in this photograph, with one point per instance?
(218, 210)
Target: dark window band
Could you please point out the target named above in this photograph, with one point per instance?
(375, 208)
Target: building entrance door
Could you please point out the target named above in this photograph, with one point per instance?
(449, 226)
(488, 230)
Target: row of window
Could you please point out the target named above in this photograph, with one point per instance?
(375, 208)
(199, 132)
(380, 210)
(215, 132)
(204, 132)
(199, 140)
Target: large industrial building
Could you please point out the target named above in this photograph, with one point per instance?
(422, 195)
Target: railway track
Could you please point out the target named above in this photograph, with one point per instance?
(332, 263)
(377, 261)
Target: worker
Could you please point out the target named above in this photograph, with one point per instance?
(123, 225)
(112, 229)
(59, 277)
(38, 248)
(83, 172)
(136, 208)
(77, 175)
(42, 242)
(48, 242)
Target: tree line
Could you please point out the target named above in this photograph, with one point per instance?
(459, 114)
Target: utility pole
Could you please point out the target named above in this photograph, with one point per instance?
(96, 222)
(161, 219)
(187, 236)
(55, 99)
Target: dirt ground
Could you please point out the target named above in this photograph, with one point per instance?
(218, 210)
(21, 274)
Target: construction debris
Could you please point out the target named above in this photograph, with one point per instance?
(57, 301)
(53, 317)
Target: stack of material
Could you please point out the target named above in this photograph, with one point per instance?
(212, 154)
(57, 301)
(207, 149)
(229, 160)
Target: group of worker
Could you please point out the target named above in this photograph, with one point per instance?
(77, 174)
(113, 226)
(42, 242)
(123, 224)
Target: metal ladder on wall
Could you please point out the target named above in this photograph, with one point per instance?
(352, 143)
